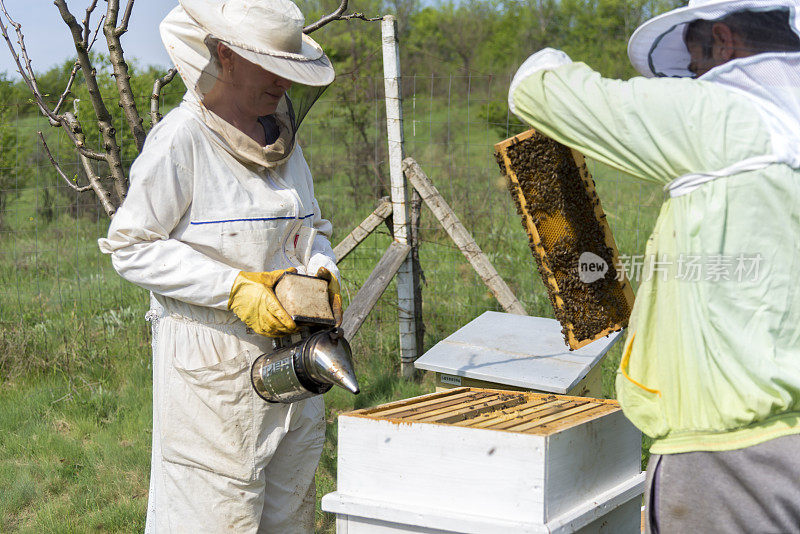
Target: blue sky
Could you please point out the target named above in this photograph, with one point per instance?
(49, 41)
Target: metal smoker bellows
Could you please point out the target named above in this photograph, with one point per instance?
(296, 370)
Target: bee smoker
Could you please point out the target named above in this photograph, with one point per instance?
(311, 366)
(298, 369)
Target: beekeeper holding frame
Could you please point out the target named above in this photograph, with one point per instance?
(220, 201)
(711, 365)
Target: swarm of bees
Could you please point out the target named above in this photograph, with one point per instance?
(561, 213)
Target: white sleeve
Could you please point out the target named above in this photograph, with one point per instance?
(139, 241)
(545, 59)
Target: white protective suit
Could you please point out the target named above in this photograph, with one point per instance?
(206, 202)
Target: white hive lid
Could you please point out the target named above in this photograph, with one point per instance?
(515, 350)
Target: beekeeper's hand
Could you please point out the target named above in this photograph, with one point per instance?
(253, 300)
(334, 293)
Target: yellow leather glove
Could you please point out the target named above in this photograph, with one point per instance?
(253, 300)
(334, 293)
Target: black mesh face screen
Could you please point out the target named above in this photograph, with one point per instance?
(302, 98)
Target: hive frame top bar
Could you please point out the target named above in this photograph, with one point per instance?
(501, 149)
(489, 409)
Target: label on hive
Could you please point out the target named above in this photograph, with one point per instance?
(450, 379)
(569, 237)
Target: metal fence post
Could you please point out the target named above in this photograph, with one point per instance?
(394, 127)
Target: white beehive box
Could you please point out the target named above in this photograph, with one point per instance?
(481, 461)
(503, 350)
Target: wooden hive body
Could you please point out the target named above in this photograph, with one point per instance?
(478, 460)
(556, 199)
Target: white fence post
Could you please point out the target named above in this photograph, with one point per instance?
(394, 128)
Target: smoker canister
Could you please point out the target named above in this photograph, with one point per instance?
(307, 368)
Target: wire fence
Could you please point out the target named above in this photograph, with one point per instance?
(450, 126)
(62, 304)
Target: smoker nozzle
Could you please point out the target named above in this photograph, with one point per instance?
(333, 361)
(347, 382)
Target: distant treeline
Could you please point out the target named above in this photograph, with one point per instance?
(489, 36)
(455, 37)
(460, 38)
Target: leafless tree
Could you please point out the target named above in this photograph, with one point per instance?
(112, 176)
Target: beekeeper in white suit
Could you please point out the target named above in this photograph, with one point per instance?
(221, 202)
(711, 366)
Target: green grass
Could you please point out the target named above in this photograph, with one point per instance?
(74, 453)
(75, 375)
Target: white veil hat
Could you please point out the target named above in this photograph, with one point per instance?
(657, 47)
(268, 33)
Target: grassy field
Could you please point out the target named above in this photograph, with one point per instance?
(75, 387)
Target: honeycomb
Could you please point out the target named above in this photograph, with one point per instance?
(561, 213)
(525, 412)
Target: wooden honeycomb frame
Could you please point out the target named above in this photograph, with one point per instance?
(491, 409)
(539, 247)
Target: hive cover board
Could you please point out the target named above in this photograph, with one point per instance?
(561, 213)
(515, 350)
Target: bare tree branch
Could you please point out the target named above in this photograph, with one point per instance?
(337, 15)
(104, 119)
(123, 79)
(75, 130)
(102, 194)
(67, 89)
(155, 98)
(326, 19)
(97, 185)
(86, 22)
(91, 154)
(21, 41)
(74, 186)
(110, 154)
(26, 72)
(96, 33)
(126, 17)
(72, 127)
(360, 16)
(75, 67)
